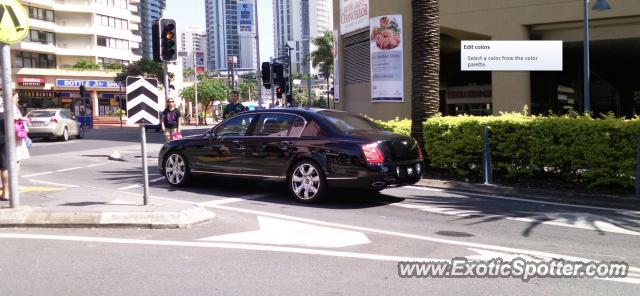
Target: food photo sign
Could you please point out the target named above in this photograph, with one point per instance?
(387, 81)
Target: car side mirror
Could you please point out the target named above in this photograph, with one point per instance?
(75, 117)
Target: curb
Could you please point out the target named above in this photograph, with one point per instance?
(27, 217)
(567, 197)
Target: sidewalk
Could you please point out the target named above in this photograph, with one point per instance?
(587, 199)
(51, 207)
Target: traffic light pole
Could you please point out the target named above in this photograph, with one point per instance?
(258, 73)
(9, 132)
(289, 49)
(166, 82)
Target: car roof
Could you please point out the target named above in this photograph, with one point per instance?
(49, 109)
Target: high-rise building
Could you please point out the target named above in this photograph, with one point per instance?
(150, 11)
(192, 40)
(230, 32)
(45, 67)
(296, 23)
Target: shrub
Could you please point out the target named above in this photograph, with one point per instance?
(576, 149)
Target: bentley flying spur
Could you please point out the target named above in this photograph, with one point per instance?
(312, 150)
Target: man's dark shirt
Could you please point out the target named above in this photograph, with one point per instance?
(233, 109)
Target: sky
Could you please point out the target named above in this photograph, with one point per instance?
(191, 13)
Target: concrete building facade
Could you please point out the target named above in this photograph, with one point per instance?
(224, 38)
(193, 39)
(150, 11)
(615, 44)
(102, 31)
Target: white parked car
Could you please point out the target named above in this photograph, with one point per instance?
(54, 123)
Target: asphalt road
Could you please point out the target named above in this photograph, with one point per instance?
(262, 242)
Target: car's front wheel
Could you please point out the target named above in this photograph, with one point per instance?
(176, 169)
(307, 182)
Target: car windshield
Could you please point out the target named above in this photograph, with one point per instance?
(41, 113)
(346, 122)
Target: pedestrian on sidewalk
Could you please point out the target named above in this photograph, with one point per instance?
(22, 151)
(170, 120)
(234, 106)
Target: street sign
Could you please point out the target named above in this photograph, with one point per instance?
(142, 101)
(14, 22)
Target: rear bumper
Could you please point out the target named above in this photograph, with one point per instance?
(36, 132)
(382, 176)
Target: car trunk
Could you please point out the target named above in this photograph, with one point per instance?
(394, 147)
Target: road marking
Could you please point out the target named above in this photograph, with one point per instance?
(95, 165)
(39, 189)
(284, 232)
(248, 247)
(130, 187)
(38, 174)
(472, 194)
(70, 169)
(574, 220)
(156, 180)
(52, 183)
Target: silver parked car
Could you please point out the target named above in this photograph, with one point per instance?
(54, 123)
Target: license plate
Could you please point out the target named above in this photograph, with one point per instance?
(37, 123)
(409, 171)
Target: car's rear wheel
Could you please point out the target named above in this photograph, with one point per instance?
(307, 182)
(65, 134)
(176, 169)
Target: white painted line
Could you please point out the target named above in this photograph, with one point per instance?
(248, 247)
(38, 174)
(221, 202)
(156, 180)
(130, 187)
(52, 183)
(412, 236)
(70, 169)
(473, 194)
(95, 165)
(577, 220)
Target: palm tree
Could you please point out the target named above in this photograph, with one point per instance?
(425, 91)
(323, 56)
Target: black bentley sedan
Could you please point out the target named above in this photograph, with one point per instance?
(311, 149)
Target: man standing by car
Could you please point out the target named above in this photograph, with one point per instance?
(234, 106)
(170, 120)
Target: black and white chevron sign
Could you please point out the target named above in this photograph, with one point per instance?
(142, 101)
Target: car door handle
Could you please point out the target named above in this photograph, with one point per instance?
(286, 143)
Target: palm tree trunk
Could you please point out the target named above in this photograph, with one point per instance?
(425, 91)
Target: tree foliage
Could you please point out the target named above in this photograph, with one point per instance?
(248, 89)
(323, 55)
(209, 91)
(86, 64)
(143, 67)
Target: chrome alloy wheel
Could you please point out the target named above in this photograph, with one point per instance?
(175, 169)
(305, 181)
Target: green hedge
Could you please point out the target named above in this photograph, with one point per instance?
(578, 149)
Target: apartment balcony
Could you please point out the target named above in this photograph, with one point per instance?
(62, 72)
(35, 47)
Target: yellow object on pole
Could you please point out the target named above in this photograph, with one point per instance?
(14, 22)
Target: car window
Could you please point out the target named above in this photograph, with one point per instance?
(313, 129)
(346, 122)
(236, 126)
(273, 125)
(297, 127)
(40, 113)
(65, 115)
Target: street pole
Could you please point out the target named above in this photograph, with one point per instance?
(166, 82)
(145, 171)
(9, 132)
(328, 94)
(195, 86)
(289, 49)
(258, 72)
(587, 66)
(273, 87)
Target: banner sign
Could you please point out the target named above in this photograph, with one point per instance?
(87, 83)
(387, 71)
(31, 81)
(245, 17)
(354, 15)
(336, 67)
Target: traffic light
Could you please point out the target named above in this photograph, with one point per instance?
(155, 40)
(168, 40)
(278, 74)
(266, 75)
(279, 91)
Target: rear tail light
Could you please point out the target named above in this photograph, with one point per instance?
(420, 154)
(53, 120)
(372, 153)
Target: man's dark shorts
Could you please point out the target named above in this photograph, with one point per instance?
(3, 163)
